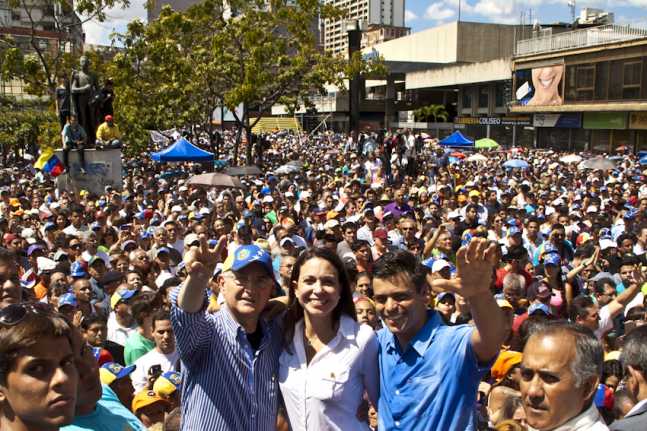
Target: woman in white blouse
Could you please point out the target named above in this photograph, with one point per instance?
(329, 360)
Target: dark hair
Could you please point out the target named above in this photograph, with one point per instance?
(472, 207)
(630, 260)
(394, 263)
(359, 243)
(612, 367)
(601, 282)
(86, 322)
(7, 256)
(579, 307)
(295, 310)
(160, 315)
(349, 225)
(635, 313)
(34, 327)
(141, 308)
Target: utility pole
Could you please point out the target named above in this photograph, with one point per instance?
(459, 10)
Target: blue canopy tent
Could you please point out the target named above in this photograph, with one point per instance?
(182, 151)
(457, 139)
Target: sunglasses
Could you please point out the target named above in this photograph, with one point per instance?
(13, 314)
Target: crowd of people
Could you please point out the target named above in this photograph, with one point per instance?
(379, 283)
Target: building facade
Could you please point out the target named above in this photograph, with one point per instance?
(51, 28)
(586, 89)
(367, 13)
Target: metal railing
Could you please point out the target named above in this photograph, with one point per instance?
(579, 39)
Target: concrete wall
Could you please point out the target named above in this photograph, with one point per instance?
(103, 169)
(434, 45)
(493, 70)
(483, 41)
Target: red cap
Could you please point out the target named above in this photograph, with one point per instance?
(108, 118)
(380, 233)
(8, 237)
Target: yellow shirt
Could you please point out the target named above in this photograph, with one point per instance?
(106, 133)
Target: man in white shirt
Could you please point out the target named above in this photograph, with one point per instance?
(121, 323)
(76, 227)
(164, 354)
(560, 372)
(634, 358)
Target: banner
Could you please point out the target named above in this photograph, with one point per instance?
(638, 120)
(605, 120)
(563, 121)
(520, 120)
(541, 86)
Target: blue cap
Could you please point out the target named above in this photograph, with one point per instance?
(145, 235)
(247, 214)
(111, 371)
(429, 262)
(140, 215)
(467, 238)
(539, 307)
(266, 190)
(95, 226)
(513, 230)
(631, 214)
(552, 259)
(443, 295)
(246, 255)
(77, 270)
(49, 226)
(212, 242)
(67, 299)
(512, 222)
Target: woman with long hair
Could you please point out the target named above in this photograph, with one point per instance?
(329, 360)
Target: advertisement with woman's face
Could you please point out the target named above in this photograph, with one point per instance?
(540, 87)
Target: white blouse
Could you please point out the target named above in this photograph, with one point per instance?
(326, 394)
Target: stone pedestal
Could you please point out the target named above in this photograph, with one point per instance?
(103, 168)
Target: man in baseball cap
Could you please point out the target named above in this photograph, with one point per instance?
(118, 378)
(222, 337)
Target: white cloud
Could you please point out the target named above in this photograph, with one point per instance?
(439, 12)
(116, 20)
(496, 10)
(409, 16)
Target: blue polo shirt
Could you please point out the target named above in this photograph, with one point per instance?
(433, 384)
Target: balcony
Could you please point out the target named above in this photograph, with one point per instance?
(576, 39)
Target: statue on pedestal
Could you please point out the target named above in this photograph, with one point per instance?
(84, 91)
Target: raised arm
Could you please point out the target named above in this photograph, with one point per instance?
(616, 306)
(475, 265)
(199, 263)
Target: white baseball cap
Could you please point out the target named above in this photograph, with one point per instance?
(439, 265)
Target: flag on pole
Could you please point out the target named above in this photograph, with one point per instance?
(49, 163)
(45, 154)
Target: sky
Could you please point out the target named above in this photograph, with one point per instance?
(423, 14)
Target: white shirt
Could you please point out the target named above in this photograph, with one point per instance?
(143, 364)
(326, 394)
(117, 333)
(589, 420)
(366, 234)
(605, 323)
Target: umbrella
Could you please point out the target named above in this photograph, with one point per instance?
(516, 164)
(571, 158)
(598, 164)
(424, 135)
(215, 179)
(477, 158)
(239, 171)
(457, 154)
(486, 143)
(287, 169)
(643, 161)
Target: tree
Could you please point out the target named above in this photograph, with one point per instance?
(251, 52)
(431, 112)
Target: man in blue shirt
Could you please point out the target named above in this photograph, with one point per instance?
(429, 372)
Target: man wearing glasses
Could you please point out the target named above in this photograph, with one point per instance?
(230, 357)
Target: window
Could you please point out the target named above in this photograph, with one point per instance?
(631, 79)
(499, 95)
(466, 98)
(615, 80)
(584, 82)
(601, 80)
(484, 95)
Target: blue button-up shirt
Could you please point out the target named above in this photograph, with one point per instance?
(432, 385)
(226, 385)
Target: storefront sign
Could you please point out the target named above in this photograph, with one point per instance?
(563, 121)
(605, 120)
(638, 120)
(521, 120)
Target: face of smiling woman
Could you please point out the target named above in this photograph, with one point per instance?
(546, 81)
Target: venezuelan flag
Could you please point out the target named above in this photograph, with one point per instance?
(48, 162)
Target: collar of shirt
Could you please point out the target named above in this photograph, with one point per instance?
(235, 332)
(637, 407)
(420, 343)
(588, 420)
(346, 331)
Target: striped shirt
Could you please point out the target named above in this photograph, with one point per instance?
(226, 385)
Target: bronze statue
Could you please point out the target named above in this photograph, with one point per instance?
(84, 89)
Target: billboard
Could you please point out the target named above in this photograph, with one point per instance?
(540, 86)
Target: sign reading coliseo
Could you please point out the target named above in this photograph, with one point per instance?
(521, 120)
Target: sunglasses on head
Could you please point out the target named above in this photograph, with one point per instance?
(13, 314)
